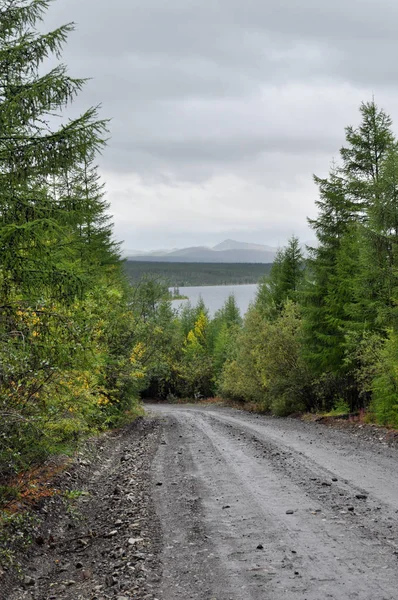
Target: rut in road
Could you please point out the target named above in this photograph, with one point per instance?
(259, 508)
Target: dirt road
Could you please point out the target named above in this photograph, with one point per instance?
(260, 508)
(215, 504)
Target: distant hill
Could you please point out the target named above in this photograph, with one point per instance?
(188, 251)
(126, 253)
(233, 245)
(228, 251)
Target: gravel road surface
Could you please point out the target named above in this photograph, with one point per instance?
(211, 503)
(275, 509)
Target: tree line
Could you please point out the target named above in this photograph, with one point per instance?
(322, 332)
(196, 274)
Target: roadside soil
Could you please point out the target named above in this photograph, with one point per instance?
(104, 541)
(213, 503)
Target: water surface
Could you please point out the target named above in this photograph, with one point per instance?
(214, 296)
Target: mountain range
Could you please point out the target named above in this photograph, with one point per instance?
(229, 251)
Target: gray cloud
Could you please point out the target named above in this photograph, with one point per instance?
(208, 91)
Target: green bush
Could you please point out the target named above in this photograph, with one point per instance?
(384, 404)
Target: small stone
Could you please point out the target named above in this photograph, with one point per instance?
(326, 483)
(361, 496)
(260, 547)
(86, 574)
(133, 541)
(226, 506)
(79, 565)
(334, 479)
(290, 512)
(350, 508)
(126, 457)
(29, 580)
(111, 533)
(82, 542)
(159, 483)
(109, 581)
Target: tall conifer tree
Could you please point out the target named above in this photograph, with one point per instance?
(32, 150)
(334, 302)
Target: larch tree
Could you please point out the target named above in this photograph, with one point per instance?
(33, 150)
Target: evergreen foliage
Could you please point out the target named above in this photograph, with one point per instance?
(68, 340)
(284, 282)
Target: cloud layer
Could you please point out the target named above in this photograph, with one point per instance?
(222, 109)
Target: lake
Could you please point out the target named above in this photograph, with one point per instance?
(214, 296)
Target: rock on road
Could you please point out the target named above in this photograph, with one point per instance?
(260, 508)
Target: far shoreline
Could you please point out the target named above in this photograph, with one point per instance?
(195, 274)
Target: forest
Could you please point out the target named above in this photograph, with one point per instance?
(80, 345)
(322, 332)
(194, 274)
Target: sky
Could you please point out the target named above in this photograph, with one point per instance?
(222, 110)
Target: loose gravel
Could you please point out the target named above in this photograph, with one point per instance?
(212, 503)
(103, 542)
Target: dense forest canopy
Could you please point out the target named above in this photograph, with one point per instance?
(192, 274)
(79, 344)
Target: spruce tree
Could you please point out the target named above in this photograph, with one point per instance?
(284, 281)
(292, 270)
(379, 282)
(370, 168)
(323, 337)
(367, 147)
(340, 297)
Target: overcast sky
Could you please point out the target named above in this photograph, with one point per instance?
(223, 109)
